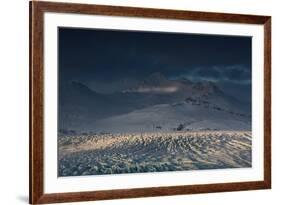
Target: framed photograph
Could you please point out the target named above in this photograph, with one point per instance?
(136, 102)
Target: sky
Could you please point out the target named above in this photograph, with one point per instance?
(114, 60)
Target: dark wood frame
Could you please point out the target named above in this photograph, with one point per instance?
(36, 192)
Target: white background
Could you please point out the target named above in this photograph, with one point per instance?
(14, 100)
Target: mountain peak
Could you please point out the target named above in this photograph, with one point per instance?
(184, 80)
(155, 79)
(80, 87)
(207, 87)
(79, 84)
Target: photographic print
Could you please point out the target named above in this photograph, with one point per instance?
(139, 101)
(130, 102)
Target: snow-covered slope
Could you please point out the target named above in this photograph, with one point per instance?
(181, 116)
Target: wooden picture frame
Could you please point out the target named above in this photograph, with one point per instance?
(37, 10)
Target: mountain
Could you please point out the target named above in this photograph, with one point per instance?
(77, 105)
(156, 103)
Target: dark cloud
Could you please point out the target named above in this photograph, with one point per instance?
(212, 72)
(234, 73)
(114, 60)
(237, 73)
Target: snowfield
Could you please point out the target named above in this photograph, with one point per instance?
(99, 154)
(169, 117)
